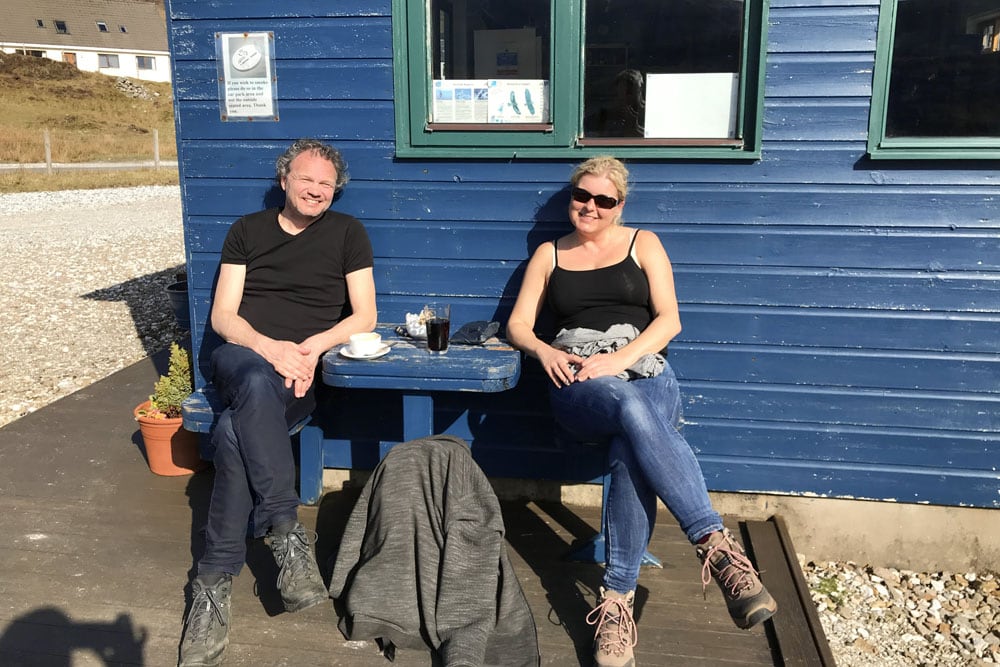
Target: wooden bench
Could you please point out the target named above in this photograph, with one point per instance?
(200, 412)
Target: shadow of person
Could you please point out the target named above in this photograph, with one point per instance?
(48, 636)
(569, 588)
(331, 520)
(148, 304)
(549, 223)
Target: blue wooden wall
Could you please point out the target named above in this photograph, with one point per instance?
(841, 317)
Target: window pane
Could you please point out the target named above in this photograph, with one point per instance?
(945, 71)
(489, 60)
(662, 68)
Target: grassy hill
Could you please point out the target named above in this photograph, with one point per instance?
(90, 118)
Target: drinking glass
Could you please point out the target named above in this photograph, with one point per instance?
(437, 316)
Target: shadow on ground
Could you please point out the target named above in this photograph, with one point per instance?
(148, 305)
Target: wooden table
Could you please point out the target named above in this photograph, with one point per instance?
(412, 370)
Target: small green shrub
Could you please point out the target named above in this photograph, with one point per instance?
(171, 389)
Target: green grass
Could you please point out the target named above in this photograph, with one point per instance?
(88, 118)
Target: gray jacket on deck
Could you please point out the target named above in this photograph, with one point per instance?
(423, 561)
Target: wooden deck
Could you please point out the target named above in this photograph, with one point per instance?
(99, 551)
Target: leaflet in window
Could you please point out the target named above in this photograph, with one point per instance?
(490, 101)
(518, 101)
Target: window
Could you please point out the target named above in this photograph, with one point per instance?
(61, 27)
(937, 80)
(102, 26)
(40, 23)
(30, 52)
(641, 78)
(122, 28)
(145, 62)
(107, 61)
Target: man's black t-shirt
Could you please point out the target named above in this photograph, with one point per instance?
(295, 285)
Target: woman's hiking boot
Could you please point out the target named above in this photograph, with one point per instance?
(206, 628)
(615, 633)
(299, 580)
(725, 560)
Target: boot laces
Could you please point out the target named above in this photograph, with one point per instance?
(293, 551)
(731, 567)
(615, 631)
(206, 608)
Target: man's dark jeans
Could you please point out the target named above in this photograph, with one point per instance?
(254, 464)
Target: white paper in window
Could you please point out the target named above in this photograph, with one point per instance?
(691, 106)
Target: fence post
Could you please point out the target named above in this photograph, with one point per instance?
(156, 148)
(48, 152)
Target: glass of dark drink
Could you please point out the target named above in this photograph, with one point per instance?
(437, 317)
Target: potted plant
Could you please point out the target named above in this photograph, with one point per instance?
(170, 449)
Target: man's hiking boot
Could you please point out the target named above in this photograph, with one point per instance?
(299, 581)
(615, 633)
(725, 560)
(206, 629)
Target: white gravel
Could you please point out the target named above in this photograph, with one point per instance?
(81, 296)
(81, 287)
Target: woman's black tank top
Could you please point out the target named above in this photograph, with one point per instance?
(599, 298)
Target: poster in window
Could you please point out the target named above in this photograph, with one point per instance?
(518, 101)
(460, 101)
(247, 81)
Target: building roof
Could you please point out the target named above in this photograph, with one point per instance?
(132, 25)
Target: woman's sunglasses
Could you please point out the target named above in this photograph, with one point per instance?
(601, 201)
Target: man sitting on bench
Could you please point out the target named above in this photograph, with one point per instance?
(293, 283)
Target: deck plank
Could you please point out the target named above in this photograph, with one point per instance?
(99, 553)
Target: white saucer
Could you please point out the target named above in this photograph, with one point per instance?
(346, 351)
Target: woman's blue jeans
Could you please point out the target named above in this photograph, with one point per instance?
(649, 458)
(254, 463)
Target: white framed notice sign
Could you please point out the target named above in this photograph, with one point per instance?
(248, 85)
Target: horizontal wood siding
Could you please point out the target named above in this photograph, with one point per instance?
(840, 316)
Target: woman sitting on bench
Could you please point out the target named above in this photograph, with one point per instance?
(611, 289)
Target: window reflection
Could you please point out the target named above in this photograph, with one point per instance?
(945, 73)
(650, 64)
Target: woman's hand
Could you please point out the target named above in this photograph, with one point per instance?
(601, 364)
(559, 365)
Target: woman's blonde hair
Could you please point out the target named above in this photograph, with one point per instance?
(606, 166)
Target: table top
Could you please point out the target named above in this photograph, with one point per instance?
(409, 366)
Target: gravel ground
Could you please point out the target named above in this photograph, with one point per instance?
(81, 296)
(81, 287)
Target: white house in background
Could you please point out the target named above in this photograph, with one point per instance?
(113, 37)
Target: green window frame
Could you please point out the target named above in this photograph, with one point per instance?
(882, 147)
(561, 138)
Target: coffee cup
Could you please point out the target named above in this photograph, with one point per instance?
(364, 344)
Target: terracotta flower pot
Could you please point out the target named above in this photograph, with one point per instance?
(170, 449)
